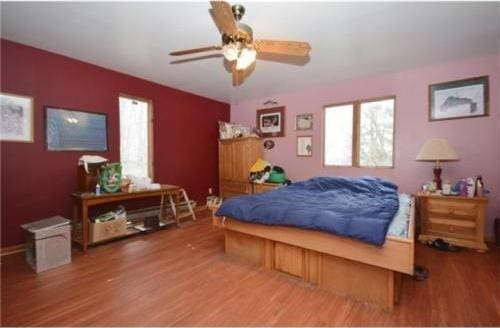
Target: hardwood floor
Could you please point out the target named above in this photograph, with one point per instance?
(182, 277)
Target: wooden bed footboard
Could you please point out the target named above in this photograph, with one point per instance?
(348, 267)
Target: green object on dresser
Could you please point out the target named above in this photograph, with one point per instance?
(111, 177)
(277, 177)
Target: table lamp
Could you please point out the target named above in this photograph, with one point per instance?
(438, 150)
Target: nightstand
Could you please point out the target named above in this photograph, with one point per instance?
(458, 220)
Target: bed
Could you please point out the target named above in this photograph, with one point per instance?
(352, 267)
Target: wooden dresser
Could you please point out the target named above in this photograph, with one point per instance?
(458, 220)
(236, 157)
(261, 187)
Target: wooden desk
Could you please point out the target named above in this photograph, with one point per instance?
(82, 202)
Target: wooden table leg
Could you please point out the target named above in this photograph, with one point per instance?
(85, 226)
(75, 219)
(177, 208)
(161, 215)
(172, 205)
(188, 203)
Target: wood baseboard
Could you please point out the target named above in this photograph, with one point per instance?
(11, 249)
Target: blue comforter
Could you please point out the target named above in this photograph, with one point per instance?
(360, 208)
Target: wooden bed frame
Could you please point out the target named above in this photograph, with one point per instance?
(346, 266)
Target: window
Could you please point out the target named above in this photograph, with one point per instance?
(360, 133)
(376, 133)
(135, 136)
(338, 135)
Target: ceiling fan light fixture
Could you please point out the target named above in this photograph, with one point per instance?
(246, 58)
(238, 46)
(230, 52)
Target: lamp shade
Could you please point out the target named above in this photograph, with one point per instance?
(437, 149)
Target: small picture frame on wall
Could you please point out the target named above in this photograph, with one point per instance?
(459, 99)
(16, 118)
(268, 144)
(304, 146)
(271, 122)
(304, 122)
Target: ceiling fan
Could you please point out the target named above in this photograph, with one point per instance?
(238, 45)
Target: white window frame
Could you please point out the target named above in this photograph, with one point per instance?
(150, 129)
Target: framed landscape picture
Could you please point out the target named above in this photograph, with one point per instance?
(16, 118)
(271, 122)
(304, 146)
(459, 99)
(75, 130)
(304, 122)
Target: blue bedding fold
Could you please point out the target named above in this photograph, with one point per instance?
(360, 208)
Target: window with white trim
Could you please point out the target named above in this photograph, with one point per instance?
(135, 136)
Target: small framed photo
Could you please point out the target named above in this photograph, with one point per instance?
(268, 144)
(459, 99)
(304, 146)
(304, 122)
(16, 118)
(271, 122)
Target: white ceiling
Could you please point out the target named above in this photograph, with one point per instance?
(347, 39)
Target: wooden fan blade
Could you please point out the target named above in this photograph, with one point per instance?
(187, 60)
(283, 59)
(223, 17)
(290, 48)
(194, 50)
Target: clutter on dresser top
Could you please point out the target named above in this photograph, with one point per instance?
(465, 187)
(231, 130)
(96, 175)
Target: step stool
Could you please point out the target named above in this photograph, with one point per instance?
(186, 199)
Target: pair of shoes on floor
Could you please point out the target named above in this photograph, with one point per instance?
(420, 273)
(442, 245)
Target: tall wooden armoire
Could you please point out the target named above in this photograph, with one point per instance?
(236, 157)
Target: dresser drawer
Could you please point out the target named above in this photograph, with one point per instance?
(452, 228)
(236, 187)
(453, 209)
(258, 188)
(225, 194)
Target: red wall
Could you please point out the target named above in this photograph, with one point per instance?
(36, 183)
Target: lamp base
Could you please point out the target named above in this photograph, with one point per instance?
(437, 177)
